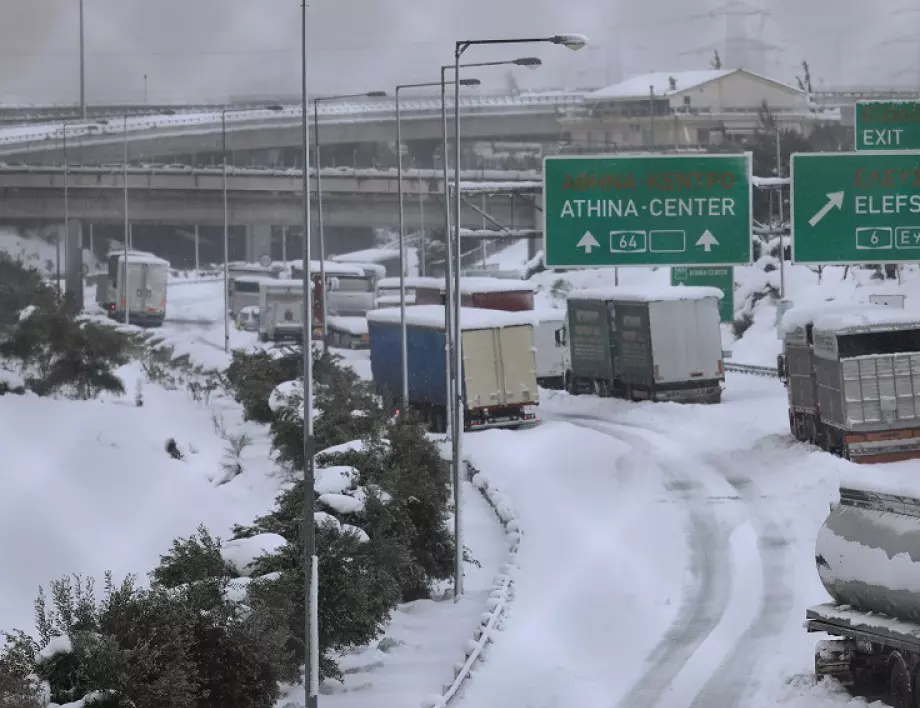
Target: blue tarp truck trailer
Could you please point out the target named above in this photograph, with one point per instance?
(498, 381)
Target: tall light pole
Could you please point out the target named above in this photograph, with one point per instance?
(66, 212)
(532, 62)
(404, 355)
(319, 192)
(223, 150)
(82, 67)
(127, 223)
(311, 568)
(570, 41)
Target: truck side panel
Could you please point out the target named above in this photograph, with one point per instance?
(425, 351)
(590, 339)
(686, 340)
(882, 390)
(502, 300)
(632, 338)
(518, 365)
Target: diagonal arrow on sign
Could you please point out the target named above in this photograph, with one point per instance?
(834, 201)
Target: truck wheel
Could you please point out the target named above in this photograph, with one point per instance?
(899, 689)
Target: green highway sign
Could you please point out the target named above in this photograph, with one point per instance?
(856, 207)
(715, 277)
(646, 210)
(887, 125)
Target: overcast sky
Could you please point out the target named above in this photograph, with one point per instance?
(210, 50)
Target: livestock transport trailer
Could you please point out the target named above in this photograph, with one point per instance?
(852, 373)
(659, 344)
(498, 378)
(868, 560)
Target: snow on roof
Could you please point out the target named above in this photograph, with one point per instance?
(252, 278)
(489, 187)
(899, 479)
(647, 293)
(378, 269)
(393, 283)
(350, 325)
(432, 316)
(770, 181)
(660, 83)
(331, 267)
(548, 314)
(804, 315)
(873, 317)
(473, 285)
(368, 255)
(147, 258)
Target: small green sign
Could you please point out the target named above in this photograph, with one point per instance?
(647, 210)
(856, 207)
(721, 278)
(887, 125)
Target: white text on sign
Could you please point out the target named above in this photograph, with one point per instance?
(886, 136)
(607, 208)
(888, 204)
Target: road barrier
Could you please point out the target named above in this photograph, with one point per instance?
(499, 599)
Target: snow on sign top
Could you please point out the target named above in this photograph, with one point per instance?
(432, 316)
(648, 294)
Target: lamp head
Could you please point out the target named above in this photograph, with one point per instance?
(469, 82)
(529, 62)
(168, 112)
(274, 107)
(570, 41)
(376, 94)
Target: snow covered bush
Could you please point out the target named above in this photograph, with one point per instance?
(252, 377)
(175, 645)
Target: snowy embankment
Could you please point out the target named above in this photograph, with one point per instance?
(100, 491)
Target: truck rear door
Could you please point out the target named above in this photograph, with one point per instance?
(517, 365)
(481, 368)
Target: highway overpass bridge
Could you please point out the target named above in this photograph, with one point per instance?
(155, 138)
(352, 198)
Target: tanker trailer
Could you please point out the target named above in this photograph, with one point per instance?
(868, 559)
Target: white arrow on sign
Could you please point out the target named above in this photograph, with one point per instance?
(834, 200)
(707, 241)
(588, 242)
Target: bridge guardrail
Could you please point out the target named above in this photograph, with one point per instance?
(751, 369)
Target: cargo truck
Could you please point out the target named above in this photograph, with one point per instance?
(498, 378)
(486, 293)
(868, 560)
(659, 344)
(281, 314)
(143, 276)
(852, 374)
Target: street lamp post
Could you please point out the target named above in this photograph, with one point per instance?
(223, 150)
(311, 564)
(319, 192)
(532, 62)
(404, 358)
(127, 222)
(82, 67)
(570, 41)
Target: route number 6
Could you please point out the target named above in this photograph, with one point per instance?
(628, 241)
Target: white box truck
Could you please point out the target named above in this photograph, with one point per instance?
(660, 344)
(281, 314)
(144, 280)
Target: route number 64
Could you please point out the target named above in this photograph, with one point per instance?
(627, 241)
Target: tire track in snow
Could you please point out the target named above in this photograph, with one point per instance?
(704, 604)
(731, 682)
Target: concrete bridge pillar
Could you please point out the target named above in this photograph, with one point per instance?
(258, 242)
(73, 262)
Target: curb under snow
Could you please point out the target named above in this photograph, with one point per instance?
(499, 598)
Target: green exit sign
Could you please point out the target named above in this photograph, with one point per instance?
(887, 125)
(646, 210)
(856, 207)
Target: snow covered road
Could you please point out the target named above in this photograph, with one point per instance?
(685, 537)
